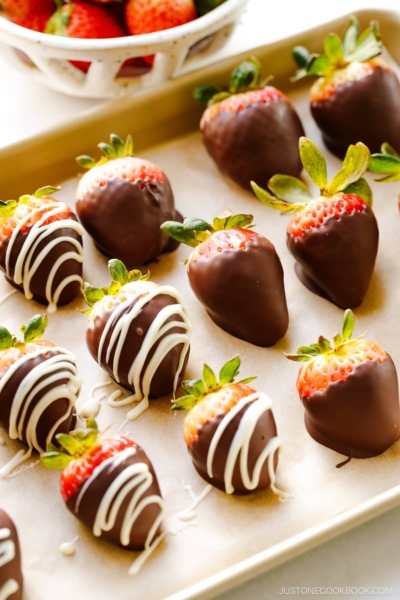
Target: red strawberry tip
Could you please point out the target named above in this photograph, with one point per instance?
(117, 148)
(197, 389)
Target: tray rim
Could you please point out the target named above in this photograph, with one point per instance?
(345, 521)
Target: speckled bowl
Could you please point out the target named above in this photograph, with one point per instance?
(47, 57)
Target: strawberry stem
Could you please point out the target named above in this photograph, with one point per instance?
(117, 148)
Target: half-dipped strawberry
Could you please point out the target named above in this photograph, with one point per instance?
(251, 131)
(139, 333)
(230, 431)
(122, 201)
(10, 560)
(357, 94)
(109, 484)
(41, 250)
(39, 385)
(350, 393)
(334, 238)
(237, 275)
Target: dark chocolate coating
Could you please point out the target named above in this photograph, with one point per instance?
(95, 492)
(163, 380)
(39, 280)
(358, 417)
(243, 291)
(12, 569)
(255, 143)
(124, 218)
(365, 110)
(264, 431)
(52, 413)
(339, 257)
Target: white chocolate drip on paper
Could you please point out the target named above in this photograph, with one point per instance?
(140, 293)
(68, 548)
(7, 554)
(189, 513)
(133, 476)
(7, 296)
(259, 404)
(56, 368)
(26, 267)
(91, 408)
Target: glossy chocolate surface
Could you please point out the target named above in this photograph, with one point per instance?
(264, 431)
(256, 143)
(95, 492)
(124, 218)
(39, 279)
(243, 291)
(162, 382)
(338, 259)
(358, 417)
(365, 110)
(53, 412)
(11, 569)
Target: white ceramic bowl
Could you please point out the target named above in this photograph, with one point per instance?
(47, 57)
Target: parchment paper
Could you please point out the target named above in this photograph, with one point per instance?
(228, 529)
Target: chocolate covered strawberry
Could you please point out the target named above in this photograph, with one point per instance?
(230, 431)
(10, 560)
(122, 201)
(41, 250)
(334, 238)
(350, 393)
(252, 130)
(139, 333)
(237, 275)
(357, 94)
(109, 484)
(39, 385)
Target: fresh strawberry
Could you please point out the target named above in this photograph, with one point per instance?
(357, 95)
(350, 393)
(228, 430)
(237, 275)
(146, 16)
(28, 264)
(36, 22)
(252, 130)
(101, 473)
(26, 8)
(82, 20)
(334, 238)
(122, 202)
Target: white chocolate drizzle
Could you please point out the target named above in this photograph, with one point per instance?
(7, 554)
(259, 404)
(68, 548)
(25, 267)
(7, 296)
(119, 324)
(91, 408)
(56, 368)
(190, 513)
(133, 476)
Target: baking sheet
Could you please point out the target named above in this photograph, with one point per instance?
(227, 529)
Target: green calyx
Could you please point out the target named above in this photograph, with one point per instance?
(290, 195)
(59, 21)
(387, 163)
(117, 148)
(120, 276)
(354, 47)
(8, 208)
(244, 78)
(194, 231)
(307, 353)
(71, 446)
(197, 389)
(32, 332)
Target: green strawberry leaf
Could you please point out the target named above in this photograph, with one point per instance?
(129, 146)
(355, 164)
(362, 189)
(136, 275)
(219, 98)
(118, 144)
(301, 56)
(384, 163)
(6, 339)
(247, 380)
(289, 188)
(92, 294)
(195, 224)
(246, 76)
(274, 202)
(299, 357)
(184, 403)
(205, 93)
(194, 387)
(209, 378)
(324, 345)
(314, 162)
(178, 232)
(86, 162)
(55, 460)
(333, 49)
(319, 66)
(35, 328)
(388, 149)
(348, 325)
(229, 371)
(7, 208)
(46, 191)
(118, 271)
(337, 340)
(350, 36)
(369, 48)
(70, 444)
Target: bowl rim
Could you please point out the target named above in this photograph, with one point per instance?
(168, 35)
